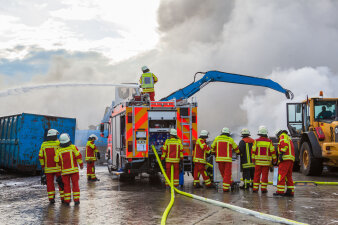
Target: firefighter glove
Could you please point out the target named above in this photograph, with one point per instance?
(281, 158)
(43, 179)
(98, 155)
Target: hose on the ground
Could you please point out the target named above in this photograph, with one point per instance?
(226, 205)
(172, 199)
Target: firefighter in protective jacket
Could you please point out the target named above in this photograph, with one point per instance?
(49, 166)
(248, 168)
(263, 152)
(68, 156)
(147, 82)
(172, 152)
(286, 158)
(199, 159)
(222, 147)
(91, 152)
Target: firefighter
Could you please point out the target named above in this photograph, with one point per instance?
(263, 152)
(199, 159)
(68, 156)
(91, 152)
(147, 82)
(49, 166)
(222, 147)
(172, 152)
(286, 158)
(248, 168)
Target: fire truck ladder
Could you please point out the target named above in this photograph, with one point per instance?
(187, 163)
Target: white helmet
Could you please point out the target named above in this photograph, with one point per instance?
(225, 130)
(93, 136)
(64, 138)
(245, 131)
(204, 133)
(144, 69)
(173, 132)
(52, 132)
(262, 130)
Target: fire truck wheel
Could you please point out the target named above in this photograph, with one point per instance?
(130, 178)
(309, 164)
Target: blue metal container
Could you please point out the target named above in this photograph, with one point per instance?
(21, 137)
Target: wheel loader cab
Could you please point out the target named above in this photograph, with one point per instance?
(313, 126)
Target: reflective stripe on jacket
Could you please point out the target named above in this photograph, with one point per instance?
(90, 151)
(147, 82)
(263, 151)
(200, 151)
(47, 156)
(172, 150)
(223, 146)
(69, 158)
(285, 146)
(245, 148)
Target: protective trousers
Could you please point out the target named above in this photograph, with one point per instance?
(264, 171)
(151, 95)
(285, 171)
(248, 176)
(225, 169)
(91, 170)
(198, 170)
(50, 177)
(74, 178)
(176, 172)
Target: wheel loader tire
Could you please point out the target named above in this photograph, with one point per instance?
(310, 166)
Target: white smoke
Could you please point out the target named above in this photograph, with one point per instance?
(245, 37)
(269, 110)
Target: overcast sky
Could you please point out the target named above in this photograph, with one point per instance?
(109, 41)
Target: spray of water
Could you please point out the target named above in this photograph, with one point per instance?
(25, 89)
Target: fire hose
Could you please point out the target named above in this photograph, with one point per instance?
(218, 203)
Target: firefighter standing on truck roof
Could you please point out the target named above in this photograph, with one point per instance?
(147, 82)
(172, 152)
(248, 168)
(222, 147)
(286, 158)
(91, 152)
(49, 166)
(68, 156)
(199, 155)
(262, 154)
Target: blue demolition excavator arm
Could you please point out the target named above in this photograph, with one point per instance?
(217, 76)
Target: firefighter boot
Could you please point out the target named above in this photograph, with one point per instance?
(276, 194)
(95, 179)
(77, 203)
(52, 201)
(197, 185)
(288, 193)
(211, 186)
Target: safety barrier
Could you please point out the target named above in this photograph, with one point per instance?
(226, 205)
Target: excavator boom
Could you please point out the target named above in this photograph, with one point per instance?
(217, 76)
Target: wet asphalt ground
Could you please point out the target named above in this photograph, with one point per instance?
(24, 201)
